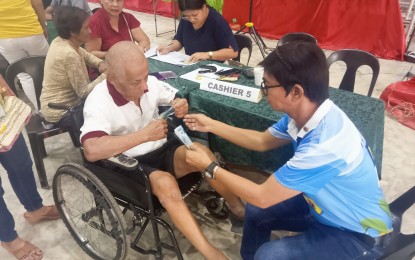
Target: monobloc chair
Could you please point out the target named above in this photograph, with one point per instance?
(3, 66)
(243, 41)
(354, 59)
(37, 128)
(296, 36)
(401, 246)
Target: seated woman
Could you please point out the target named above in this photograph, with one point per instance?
(66, 78)
(203, 33)
(110, 25)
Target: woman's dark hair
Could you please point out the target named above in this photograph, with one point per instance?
(69, 20)
(191, 4)
(301, 63)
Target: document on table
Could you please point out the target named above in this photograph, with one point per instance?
(197, 77)
(174, 57)
(152, 51)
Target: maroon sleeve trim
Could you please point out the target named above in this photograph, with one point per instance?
(92, 134)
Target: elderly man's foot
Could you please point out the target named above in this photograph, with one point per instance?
(22, 249)
(43, 214)
(236, 217)
(216, 255)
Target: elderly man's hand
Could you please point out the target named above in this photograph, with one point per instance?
(181, 107)
(197, 122)
(156, 130)
(102, 67)
(199, 156)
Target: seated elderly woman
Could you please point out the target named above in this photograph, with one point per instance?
(66, 78)
(203, 33)
(110, 25)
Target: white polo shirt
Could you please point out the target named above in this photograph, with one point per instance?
(106, 112)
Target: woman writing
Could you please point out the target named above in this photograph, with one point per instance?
(203, 32)
(66, 78)
(110, 25)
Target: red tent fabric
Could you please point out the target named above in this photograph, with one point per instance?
(372, 25)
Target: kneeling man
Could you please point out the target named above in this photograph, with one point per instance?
(328, 190)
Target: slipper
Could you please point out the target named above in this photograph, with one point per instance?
(34, 218)
(27, 251)
(237, 223)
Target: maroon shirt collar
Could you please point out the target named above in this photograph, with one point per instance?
(119, 100)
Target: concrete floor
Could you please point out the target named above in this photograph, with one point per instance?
(397, 176)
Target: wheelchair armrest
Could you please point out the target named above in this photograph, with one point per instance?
(123, 161)
(59, 106)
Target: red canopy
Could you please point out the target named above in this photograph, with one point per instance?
(371, 25)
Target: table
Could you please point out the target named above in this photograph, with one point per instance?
(184, 86)
(372, 25)
(52, 33)
(365, 112)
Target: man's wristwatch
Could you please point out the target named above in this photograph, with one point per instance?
(209, 172)
(210, 55)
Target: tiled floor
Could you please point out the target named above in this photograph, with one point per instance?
(398, 169)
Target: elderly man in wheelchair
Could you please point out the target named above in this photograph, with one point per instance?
(121, 116)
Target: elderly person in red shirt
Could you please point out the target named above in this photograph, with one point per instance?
(110, 25)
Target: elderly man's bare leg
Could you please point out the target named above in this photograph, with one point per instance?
(165, 187)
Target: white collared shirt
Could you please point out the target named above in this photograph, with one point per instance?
(106, 112)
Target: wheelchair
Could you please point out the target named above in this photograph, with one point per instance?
(95, 198)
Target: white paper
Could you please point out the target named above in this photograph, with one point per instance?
(2, 113)
(151, 52)
(196, 77)
(174, 57)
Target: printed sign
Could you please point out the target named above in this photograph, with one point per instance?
(231, 90)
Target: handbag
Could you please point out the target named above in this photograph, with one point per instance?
(399, 99)
(16, 115)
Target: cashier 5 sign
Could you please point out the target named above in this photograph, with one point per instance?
(231, 90)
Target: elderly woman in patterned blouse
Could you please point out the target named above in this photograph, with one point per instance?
(66, 78)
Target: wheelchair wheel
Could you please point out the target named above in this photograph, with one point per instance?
(217, 206)
(90, 213)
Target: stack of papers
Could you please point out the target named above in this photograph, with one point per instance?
(152, 51)
(176, 58)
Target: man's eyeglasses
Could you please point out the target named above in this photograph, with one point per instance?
(264, 88)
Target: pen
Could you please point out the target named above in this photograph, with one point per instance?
(165, 48)
(170, 44)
